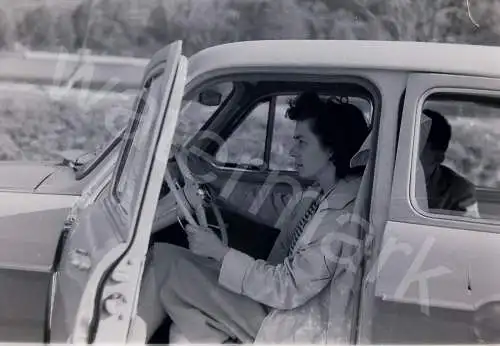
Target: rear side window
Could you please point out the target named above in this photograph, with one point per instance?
(460, 154)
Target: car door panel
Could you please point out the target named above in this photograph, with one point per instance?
(31, 229)
(391, 329)
(104, 232)
(124, 281)
(435, 309)
(434, 271)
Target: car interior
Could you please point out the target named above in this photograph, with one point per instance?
(245, 232)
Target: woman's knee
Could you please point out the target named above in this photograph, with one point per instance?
(164, 259)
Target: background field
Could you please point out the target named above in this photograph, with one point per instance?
(36, 123)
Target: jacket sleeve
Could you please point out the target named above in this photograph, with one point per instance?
(465, 196)
(301, 276)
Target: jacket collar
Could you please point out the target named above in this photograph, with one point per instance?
(345, 192)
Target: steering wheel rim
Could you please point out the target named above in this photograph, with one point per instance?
(183, 203)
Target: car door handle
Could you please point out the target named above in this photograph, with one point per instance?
(80, 259)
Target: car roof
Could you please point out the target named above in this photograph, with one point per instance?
(381, 55)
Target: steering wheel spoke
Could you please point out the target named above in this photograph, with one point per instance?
(193, 202)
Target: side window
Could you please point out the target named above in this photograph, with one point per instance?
(247, 144)
(460, 155)
(141, 124)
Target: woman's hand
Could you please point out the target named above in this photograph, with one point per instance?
(204, 242)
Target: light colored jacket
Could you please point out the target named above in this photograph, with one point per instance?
(309, 292)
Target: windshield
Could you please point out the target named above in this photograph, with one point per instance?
(195, 114)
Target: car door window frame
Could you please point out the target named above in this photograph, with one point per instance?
(130, 135)
(404, 206)
(229, 116)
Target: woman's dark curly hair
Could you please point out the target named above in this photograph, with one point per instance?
(340, 127)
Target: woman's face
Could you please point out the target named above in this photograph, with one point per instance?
(309, 155)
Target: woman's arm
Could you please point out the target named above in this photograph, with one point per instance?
(299, 277)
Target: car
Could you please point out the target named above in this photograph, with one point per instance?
(427, 276)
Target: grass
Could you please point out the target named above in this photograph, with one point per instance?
(36, 124)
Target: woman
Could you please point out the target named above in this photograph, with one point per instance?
(214, 294)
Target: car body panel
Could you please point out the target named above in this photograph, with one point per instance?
(63, 182)
(22, 302)
(35, 231)
(32, 214)
(307, 55)
(30, 227)
(23, 176)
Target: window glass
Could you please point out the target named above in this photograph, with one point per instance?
(141, 128)
(460, 155)
(246, 145)
(195, 114)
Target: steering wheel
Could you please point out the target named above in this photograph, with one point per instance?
(203, 196)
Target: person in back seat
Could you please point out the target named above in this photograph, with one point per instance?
(446, 189)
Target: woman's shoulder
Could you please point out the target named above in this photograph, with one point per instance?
(344, 194)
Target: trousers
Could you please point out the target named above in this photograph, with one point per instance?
(185, 286)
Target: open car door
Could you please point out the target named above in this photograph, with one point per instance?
(97, 278)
